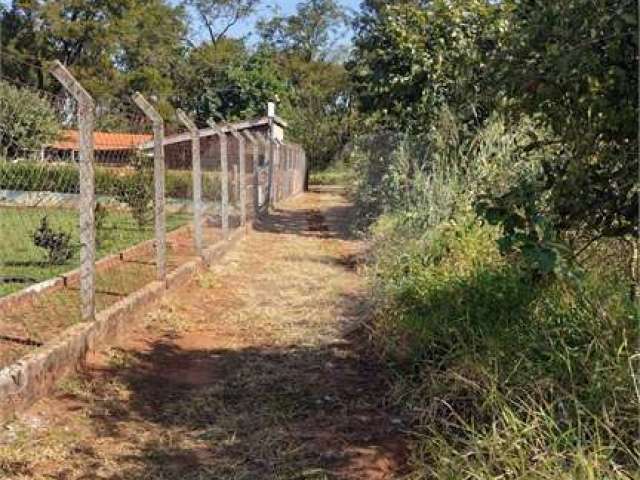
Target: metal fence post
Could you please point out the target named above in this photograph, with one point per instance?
(158, 176)
(196, 169)
(240, 178)
(224, 177)
(86, 108)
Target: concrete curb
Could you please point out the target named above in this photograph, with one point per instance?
(28, 294)
(34, 375)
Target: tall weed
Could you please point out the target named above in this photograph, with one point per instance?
(504, 376)
(504, 372)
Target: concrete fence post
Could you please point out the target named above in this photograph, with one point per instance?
(285, 172)
(290, 172)
(241, 177)
(275, 176)
(224, 177)
(236, 183)
(158, 179)
(272, 146)
(300, 170)
(256, 177)
(196, 170)
(296, 164)
(86, 120)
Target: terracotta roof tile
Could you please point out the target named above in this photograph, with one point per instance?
(69, 140)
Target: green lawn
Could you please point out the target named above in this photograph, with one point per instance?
(19, 257)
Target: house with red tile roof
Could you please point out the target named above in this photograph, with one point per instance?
(109, 147)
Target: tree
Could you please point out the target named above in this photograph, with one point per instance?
(112, 46)
(322, 118)
(218, 16)
(308, 33)
(411, 58)
(27, 121)
(319, 96)
(568, 64)
(225, 79)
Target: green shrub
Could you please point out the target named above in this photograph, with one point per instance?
(33, 176)
(506, 371)
(136, 190)
(507, 375)
(57, 244)
(27, 119)
(331, 176)
(64, 178)
(179, 184)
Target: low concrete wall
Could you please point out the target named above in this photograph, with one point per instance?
(33, 376)
(28, 294)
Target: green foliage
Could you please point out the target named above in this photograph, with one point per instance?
(58, 244)
(308, 32)
(505, 376)
(445, 171)
(560, 64)
(27, 121)
(321, 118)
(568, 63)
(332, 176)
(411, 60)
(37, 176)
(136, 190)
(317, 98)
(511, 360)
(113, 46)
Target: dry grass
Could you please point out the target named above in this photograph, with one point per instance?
(244, 374)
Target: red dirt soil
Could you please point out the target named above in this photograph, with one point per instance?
(259, 369)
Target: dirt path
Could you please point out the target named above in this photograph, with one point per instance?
(255, 371)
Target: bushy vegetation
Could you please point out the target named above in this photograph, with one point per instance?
(502, 232)
(334, 175)
(27, 121)
(504, 375)
(57, 244)
(505, 367)
(38, 176)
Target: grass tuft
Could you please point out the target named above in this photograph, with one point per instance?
(505, 375)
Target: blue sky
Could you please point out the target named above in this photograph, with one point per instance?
(286, 6)
(246, 27)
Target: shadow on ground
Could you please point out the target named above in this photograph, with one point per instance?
(187, 404)
(255, 413)
(328, 223)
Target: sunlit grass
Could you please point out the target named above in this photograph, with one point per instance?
(19, 257)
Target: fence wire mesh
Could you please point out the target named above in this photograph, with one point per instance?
(125, 201)
(242, 171)
(39, 216)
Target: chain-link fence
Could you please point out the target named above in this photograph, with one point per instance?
(109, 197)
(40, 241)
